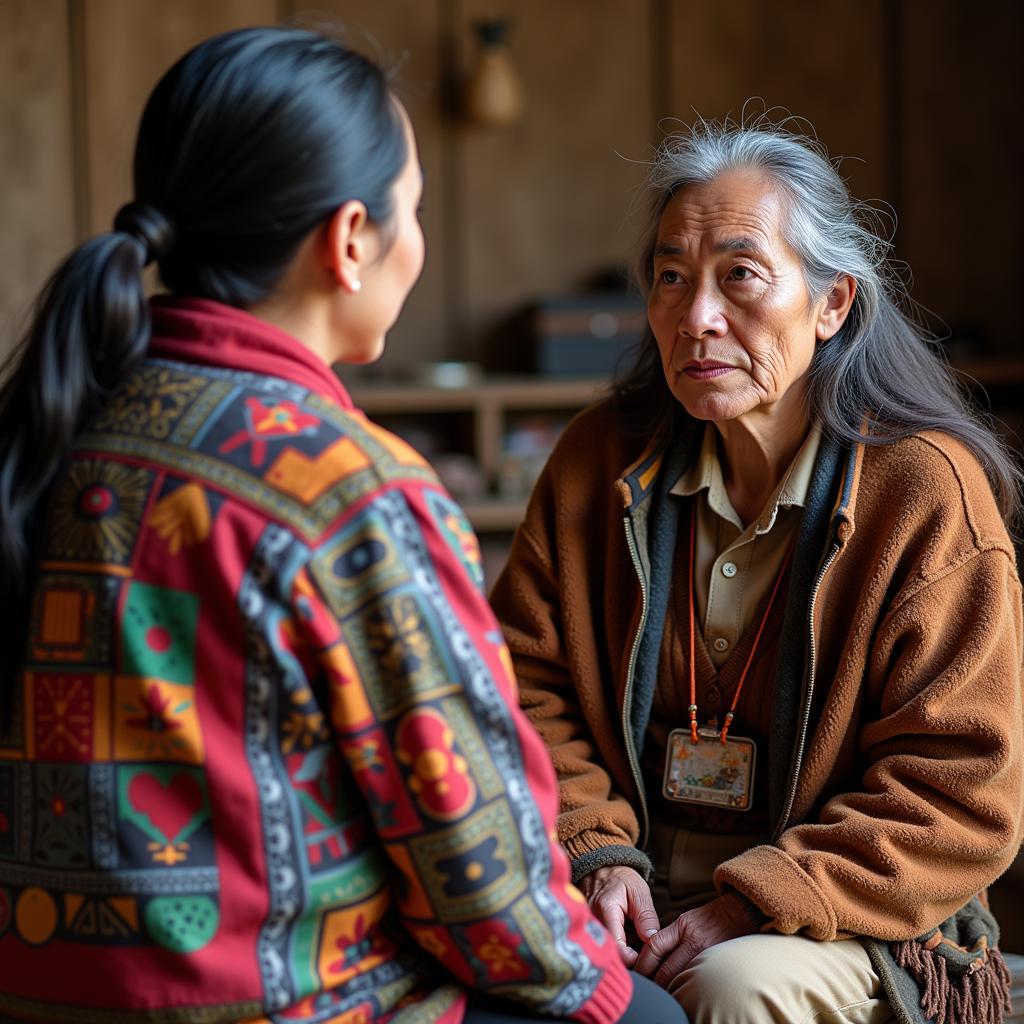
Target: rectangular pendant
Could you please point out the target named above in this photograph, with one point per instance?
(710, 772)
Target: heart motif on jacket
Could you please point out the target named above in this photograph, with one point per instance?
(170, 805)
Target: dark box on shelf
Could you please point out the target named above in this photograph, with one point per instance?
(585, 335)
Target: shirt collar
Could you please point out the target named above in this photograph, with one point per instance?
(796, 481)
(705, 473)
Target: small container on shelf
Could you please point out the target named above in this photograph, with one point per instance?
(488, 440)
(461, 475)
(585, 333)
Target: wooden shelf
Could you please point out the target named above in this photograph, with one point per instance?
(507, 392)
(495, 515)
(488, 403)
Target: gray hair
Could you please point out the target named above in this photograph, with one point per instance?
(881, 363)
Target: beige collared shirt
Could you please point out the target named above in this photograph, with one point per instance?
(736, 566)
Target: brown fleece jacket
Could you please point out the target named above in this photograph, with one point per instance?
(909, 788)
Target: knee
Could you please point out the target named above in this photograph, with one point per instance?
(779, 979)
(722, 986)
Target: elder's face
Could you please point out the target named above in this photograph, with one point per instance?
(729, 309)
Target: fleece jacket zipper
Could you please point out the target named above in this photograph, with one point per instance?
(627, 698)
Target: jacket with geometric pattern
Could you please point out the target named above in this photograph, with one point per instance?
(266, 759)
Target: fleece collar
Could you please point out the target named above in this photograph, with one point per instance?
(637, 482)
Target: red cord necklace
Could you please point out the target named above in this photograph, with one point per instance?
(753, 650)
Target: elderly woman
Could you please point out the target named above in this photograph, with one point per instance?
(765, 613)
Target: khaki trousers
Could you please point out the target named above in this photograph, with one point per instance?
(757, 979)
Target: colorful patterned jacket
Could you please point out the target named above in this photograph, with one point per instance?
(266, 760)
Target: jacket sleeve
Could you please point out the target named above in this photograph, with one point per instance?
(936, 816)
(459, 786)
(597, 824)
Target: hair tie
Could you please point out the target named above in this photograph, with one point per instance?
(147, 225)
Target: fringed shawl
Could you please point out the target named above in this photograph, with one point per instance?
(953, 974)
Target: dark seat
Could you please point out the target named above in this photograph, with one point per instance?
(1007, 898)
(1016, 964)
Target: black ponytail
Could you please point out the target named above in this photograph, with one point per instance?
(250, 142)
(91, 325)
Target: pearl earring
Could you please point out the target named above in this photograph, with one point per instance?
(356, 285)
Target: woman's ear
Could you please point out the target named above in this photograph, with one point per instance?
(348, 245)
(836, 308)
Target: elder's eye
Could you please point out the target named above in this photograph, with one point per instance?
(740, 274)
(670, 277)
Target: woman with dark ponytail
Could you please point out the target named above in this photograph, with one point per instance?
(91, 327)
(260, 755)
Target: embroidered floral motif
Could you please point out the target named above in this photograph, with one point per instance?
(61, 827)
(156, 720)
(96, 512)
(498, 957)
(304, 725)
(397, 639)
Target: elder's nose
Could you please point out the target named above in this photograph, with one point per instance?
(702, 313)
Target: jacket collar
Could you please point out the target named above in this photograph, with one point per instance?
(846, 496)
(664, 458)
(210, 333)
(636, 483)
(705, 473)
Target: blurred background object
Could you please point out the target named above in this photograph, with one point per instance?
(494, 94)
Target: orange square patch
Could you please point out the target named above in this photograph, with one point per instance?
(61, 621)
(346, 929)
(401, 451)
(155, 720)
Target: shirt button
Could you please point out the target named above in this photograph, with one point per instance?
(729, 569)
(721, 644)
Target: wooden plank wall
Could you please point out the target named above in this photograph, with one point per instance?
(406, 39)
(127, 47)
(752, 57)
(917, 94)
(37, 196)
(962, 156)
(541, 204)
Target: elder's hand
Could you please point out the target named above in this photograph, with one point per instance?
(615, 895)
(671, 949)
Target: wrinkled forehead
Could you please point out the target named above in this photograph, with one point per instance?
(740, 208)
